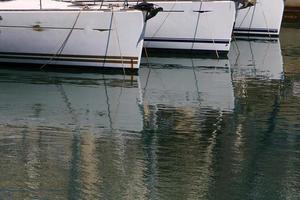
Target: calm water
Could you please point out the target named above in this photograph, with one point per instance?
(185, 128)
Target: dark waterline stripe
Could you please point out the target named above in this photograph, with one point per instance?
(69, 55)
(217, 41)
(69, 59)
(257, 30)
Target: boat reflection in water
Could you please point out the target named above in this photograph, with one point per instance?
(207, 124)
(73, 135)
(187, 82)
(257, 59)
(186, 101)
(60, 131)
(185, 128)
(92, 101)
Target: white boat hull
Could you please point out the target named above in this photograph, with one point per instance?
(91, 38)
(263, 19)
(191, 25)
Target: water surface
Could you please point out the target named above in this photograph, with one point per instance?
(186, 127)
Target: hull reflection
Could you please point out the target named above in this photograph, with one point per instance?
(75, 101)
(186, 101)
(59, 132)
(185, 81)
(256, 58)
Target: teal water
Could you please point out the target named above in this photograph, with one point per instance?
(184, 128)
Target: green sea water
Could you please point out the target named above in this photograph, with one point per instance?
(185, 127)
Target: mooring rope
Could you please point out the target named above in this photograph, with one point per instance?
(244, 18)
(62, 46)
(108, 37)
(252, 17)
(165, 19)
(266, 22)
(197, 24)
(119, 46)
(148, 75)
(107, 103)
(196, 81)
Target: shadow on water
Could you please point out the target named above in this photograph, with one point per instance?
(291, 49)
(186, 127)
